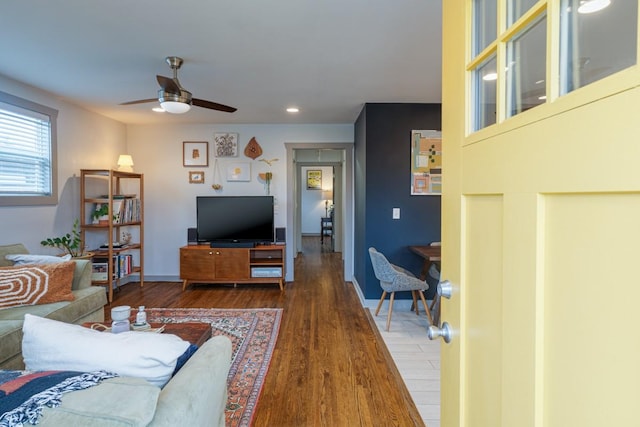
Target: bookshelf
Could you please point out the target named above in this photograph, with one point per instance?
(123, 194)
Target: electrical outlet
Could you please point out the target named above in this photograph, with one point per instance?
(396, 213)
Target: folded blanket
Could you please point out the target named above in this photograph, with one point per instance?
(23, 394)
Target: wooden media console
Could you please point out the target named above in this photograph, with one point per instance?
(260, 264)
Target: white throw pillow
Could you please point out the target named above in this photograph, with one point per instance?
(50, 345)
(20, 259)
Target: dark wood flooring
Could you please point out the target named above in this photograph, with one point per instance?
(330, 366)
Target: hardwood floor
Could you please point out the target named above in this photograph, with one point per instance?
(330, 366)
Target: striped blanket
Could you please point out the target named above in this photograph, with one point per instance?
(23, 394)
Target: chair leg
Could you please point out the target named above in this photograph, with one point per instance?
(384, 294)
(415, 302)
(426, 307)
(393, 294)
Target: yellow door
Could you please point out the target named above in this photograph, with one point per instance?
(541, 241)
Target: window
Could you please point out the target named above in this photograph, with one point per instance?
(526, 68)
(526, 53)
(28, 166)
(597, 40)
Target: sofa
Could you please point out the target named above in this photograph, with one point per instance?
(88, 306)
(195, 396)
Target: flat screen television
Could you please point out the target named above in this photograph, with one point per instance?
(235, 219)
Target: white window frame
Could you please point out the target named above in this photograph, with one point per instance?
(50, 197)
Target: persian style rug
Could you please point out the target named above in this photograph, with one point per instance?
(253, 334)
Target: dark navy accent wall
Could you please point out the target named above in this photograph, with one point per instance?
(383, 182)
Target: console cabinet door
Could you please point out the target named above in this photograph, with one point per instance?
(197, 264)
(231, 263)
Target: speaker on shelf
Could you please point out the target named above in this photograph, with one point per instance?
(280, 235)
(192, 236)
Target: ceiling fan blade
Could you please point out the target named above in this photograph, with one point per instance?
(212, 105)
(139, 101)
(168, 84)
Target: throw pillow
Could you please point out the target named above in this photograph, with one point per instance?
(21, 259)
(36, 284)
(52, 345)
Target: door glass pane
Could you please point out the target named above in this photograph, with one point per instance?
(484, 90)
(526, 68)
(485, 28)
(517, 8)
(598, 38)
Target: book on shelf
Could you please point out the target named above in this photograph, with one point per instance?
(122, 265)
(99, 271)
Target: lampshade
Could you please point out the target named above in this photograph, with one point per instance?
(175, 107)
(327, 194)
(125, 163)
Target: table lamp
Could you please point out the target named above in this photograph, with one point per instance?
(327, 195)
(125, 163)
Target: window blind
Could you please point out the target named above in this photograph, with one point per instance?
(25, 152)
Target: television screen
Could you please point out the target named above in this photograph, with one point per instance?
(235, 219)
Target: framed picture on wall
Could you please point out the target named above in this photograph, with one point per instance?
(314, 180)
(239, 171)
(195, 153)
(226, 144)
(196, 177)
(426, 162)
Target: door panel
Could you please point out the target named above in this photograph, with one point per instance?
(482, 302)
(589, 379)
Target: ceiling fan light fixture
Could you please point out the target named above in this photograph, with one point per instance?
(175, 103)
(174, 107)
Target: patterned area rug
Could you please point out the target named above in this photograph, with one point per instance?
(253, 334)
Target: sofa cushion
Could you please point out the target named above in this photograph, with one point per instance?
(88, 306)
(11, 339)
(51, 345)
(36, 284)
(21, 259)
(16, 248)
(122, 401)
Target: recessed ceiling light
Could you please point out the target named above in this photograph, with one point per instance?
(490, 77)
(592, 6)
(158, 109)
(293, 110)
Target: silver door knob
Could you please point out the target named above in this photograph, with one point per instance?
(445, 289)
(444, 332)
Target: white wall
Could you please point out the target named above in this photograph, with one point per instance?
(85, 140)
(169, 197)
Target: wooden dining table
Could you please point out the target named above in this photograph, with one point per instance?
(430, 254)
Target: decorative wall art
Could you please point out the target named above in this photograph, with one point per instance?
(426, 162)
(196, 177)
(253, 149)
(314, 180)
(195, 153)
(239, 171)
(226, 144)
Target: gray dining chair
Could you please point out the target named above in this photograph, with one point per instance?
(396, 279)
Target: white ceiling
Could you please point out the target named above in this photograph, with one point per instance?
(328, 57)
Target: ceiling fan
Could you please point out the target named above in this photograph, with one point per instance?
(174, 98)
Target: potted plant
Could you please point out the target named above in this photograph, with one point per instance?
(101, 213)
(69, 243)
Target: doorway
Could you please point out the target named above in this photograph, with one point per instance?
(339, 157)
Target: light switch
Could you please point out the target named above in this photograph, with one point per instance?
(396, 213)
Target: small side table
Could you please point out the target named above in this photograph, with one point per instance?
(326, 228)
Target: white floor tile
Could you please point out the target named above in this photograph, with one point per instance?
(417, 359)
